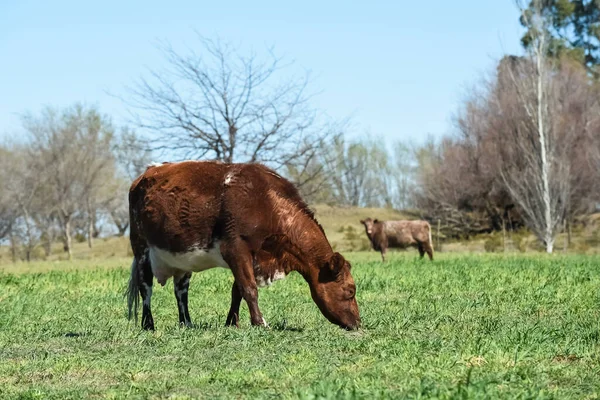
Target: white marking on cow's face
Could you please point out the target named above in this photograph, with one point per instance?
(148, 289)
(166, 264)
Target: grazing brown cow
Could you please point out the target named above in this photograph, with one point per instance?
(399, 234)
(194, 215)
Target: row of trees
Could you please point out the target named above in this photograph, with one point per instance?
(360, 173)
(528, 138)
(526, 149)
(69, 175)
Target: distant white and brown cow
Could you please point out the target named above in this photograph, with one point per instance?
(191, 216)
(399, 234)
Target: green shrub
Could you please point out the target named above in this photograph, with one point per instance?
(519, 239)
(365, 244)
(493, 244)
(351, 233)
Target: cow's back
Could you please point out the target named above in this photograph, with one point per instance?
(176, 205)
(406, 233)
(399, 233)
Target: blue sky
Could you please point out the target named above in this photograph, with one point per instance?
(399, 68)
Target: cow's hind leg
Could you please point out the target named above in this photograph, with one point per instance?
(145, 287)
(233, 317)
(429, 250)
(383, 255)
(181, 285)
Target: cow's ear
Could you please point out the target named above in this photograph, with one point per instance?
(375, 221)
(362, 221)
(336, 263)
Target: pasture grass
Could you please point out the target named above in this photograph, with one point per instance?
(464, 326)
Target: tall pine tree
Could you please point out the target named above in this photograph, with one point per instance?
(574, 30)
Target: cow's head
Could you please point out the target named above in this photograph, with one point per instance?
(369, 224)
(334, 292)
(331, 284)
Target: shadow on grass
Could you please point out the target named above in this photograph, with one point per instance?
(283, 326)
(74, 334)
(200, 326)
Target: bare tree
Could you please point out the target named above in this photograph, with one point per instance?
(403, 175)
(66, 150)
(8, 207)
(132, 156)
(524, 149)
(539, 183)
(26, 199)
(359, 173)
(98, 170)
(312, 176)
(19, 188)
(119, 214)
(221, 105)
(131, 153)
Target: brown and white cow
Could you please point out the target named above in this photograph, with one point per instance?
(399, 234)
(194, 215)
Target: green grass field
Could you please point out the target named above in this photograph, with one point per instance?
(466, 326)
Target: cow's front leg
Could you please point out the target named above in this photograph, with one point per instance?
(421, 249)
(239, 258)
(181, 286)
(233, 317)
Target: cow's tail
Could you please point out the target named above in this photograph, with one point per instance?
(139, 254)
(430, 253)
(133, 290)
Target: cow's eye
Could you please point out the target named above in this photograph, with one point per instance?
(351, 292)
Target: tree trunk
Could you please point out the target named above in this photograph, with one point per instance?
(544, 164)
(29, 245)
(90, 222)
(96, 231)
(67, 234)
(503, 235)
(566, 239)
(122, 229)
(50, 237)
(438, 235)
(48, 246)
(13, 247)
(90, 234)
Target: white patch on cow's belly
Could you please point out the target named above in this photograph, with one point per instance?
(261, 281)
(166, 264)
